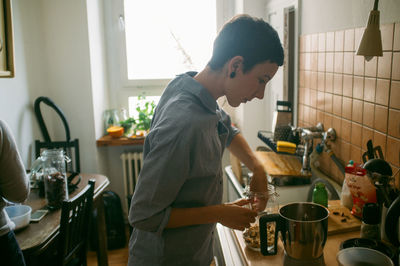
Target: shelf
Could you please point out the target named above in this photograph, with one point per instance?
(122, 141)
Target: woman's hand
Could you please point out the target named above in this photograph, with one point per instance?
(235, 216)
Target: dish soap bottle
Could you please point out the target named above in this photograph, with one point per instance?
(320, 194)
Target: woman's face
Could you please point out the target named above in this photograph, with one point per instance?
(245, 87)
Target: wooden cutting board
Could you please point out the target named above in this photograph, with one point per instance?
(280, 165)
(340, 219)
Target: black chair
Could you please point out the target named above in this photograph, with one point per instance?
(48, 143)
(74, 227)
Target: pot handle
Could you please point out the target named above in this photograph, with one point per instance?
(392, 217)
(264, 220)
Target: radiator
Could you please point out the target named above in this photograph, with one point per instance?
(131, 164)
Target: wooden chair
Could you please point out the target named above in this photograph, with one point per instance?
(74, 227)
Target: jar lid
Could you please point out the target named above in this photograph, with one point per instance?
(320, 185)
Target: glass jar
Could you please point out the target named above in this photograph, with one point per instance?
(111, 118)
(263, 203)
(52, 164)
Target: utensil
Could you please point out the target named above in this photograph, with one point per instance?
(303, 227)
(20, 215)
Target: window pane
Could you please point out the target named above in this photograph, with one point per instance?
(165, 38)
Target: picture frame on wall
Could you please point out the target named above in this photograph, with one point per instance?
(7, 69)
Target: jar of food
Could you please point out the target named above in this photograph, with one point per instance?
(52, 163)
(263, 203)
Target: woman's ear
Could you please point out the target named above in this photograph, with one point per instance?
(235, 64)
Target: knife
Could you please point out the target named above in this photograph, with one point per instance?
(370, 150)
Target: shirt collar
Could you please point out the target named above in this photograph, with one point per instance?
(199, 91)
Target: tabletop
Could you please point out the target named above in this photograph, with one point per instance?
(37, 235)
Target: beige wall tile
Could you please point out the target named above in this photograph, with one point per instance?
(387, 36)
(337, 126)
(339, 41)
(338, 84)
(321, 81)
(321, 62)
(395, 95)
(307, 79)
(306, 115)
(313, 98)
(358, 32)
(329, 58)
(328, 120)
(301, 79)
(369, 114)
(337, 105)
(393, 150)
(382, 91)
(345, 151)
(307, 96)
(329, 82)
(356, 113)
(307, 57)
(314, 61)
(301, 112)
(348, 85)
(359, 65)
(313, 84)
(367, 134)
(328, 102)
(301, 95)
(370, 67)
(369, 89)
(384, 65)
(330, 41)
(396, 41)
(320, 117)
(347, 108)
(321, 42)
(321, 100)
(314, 42)
(396, 66)
(346, 130)
(381, 117)
(308, 43)
(349, 40)
(348, 60)
(302, 43)
(338, 62)
(302, 61)
(394, 123)
(313, 116)
(356, 136)
(380, 140)
(355, 154)
(358, 87)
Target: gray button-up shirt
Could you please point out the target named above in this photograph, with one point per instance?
(181, 169)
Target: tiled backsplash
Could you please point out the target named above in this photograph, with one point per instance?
(359, 99)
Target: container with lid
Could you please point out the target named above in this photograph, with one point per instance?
(320, 194)
(370, 221)
(263, 203)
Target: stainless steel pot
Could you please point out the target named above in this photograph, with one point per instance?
(303, 227)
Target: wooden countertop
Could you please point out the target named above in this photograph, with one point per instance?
(122, 141)
(238, 253)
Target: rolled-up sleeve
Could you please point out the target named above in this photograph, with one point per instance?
(165, 169)
(232, 130)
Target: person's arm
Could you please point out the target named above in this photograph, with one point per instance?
(241, 149)
(14, 183)
(231, 215)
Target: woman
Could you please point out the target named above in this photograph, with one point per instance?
(14, 186)
(177, 200)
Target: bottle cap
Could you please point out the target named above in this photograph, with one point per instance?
(371, 213)
(320, 185)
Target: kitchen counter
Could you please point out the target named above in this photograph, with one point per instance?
(236, 253)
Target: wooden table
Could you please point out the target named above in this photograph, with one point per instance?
(36, 239)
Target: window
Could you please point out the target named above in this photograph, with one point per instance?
(165, 38)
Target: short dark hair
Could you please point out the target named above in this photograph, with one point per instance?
(252, 38)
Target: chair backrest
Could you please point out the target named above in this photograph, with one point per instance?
(48, 143)
(74, 226)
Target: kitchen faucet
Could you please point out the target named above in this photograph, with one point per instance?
(307, 136)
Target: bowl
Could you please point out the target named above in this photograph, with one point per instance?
(19, 214)
(362, 256)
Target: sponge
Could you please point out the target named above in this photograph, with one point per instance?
(285, 146)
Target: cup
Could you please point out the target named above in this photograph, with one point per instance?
(303, 227)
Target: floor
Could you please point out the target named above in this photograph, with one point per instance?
(116, 257)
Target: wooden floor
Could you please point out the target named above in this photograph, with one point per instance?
(116, 257)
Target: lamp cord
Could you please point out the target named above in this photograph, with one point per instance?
(376, 5)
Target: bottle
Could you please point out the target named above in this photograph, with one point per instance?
(370, 221)
(320, 194)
